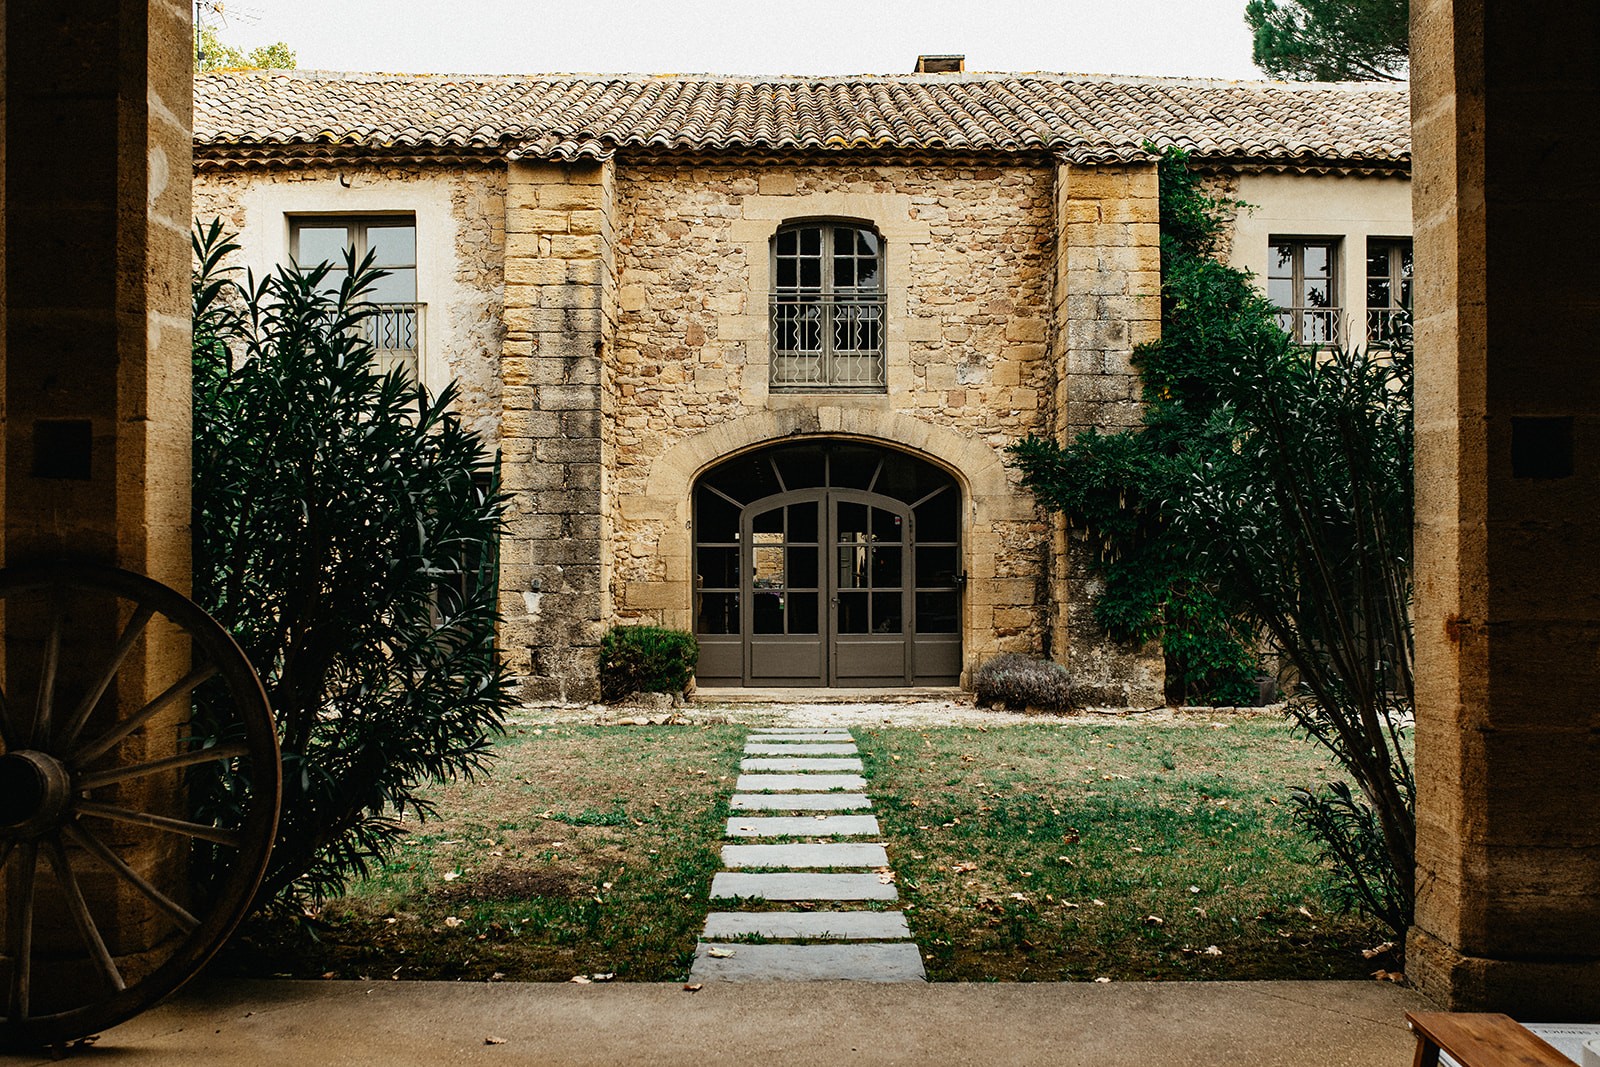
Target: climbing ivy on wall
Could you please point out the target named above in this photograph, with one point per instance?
(1116, 488)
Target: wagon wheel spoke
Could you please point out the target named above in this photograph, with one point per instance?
(19, 933)
(202, 831)
(39, 732)
(9, 736)
(97, 848)
(80, 714)
(79, 908)
(177, 691)
(97, 779)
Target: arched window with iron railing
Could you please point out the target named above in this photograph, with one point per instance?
(827, 307)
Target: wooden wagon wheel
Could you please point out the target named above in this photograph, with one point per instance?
(134, 830)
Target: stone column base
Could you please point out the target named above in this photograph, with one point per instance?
(1527, 990)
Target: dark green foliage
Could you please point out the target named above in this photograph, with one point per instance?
(1330, 40)
(1305, 522)
(1021, 682)
(1115, 487)
(646, 659)
(1346, 828)
(344, 526)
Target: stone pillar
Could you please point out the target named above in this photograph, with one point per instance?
(560, 314)
(1508, 507)
(1107, 300)
(95, 358)
(96, 331)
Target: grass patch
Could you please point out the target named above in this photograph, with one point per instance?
(1056, 853)
(586, 850)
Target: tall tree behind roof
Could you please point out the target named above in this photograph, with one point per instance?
(1331, 40)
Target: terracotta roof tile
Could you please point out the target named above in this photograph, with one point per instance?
(1081, 118)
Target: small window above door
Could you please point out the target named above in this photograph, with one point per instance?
(827, 308)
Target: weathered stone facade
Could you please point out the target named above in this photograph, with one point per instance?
(968, 289)
(607, 312)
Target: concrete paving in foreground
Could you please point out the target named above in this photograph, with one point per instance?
(775, 1024)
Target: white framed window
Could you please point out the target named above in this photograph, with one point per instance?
(827, 307)
(1303, 284)
(396, 327)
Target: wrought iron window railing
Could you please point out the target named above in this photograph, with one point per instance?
(1388, 325)
(396, 331)
(832, 340)
(1318, 327)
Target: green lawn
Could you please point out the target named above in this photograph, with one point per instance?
(587, 850)
(1054, 853)
(1040, 852)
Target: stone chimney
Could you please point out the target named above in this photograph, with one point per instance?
(941, 64)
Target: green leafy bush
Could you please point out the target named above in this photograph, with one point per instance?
(1022, 682)
(646, 659)
(344, 532)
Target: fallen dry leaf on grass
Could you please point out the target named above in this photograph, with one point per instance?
(1377, 950)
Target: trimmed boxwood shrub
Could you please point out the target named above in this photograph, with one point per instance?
(1021, 682)
(646, 659)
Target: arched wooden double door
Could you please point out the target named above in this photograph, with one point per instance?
(827, 564)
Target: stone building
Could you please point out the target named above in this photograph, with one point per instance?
(753, 349)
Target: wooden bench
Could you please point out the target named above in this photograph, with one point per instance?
(1479, 1040)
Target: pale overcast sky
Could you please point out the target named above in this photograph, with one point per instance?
(1203, 38)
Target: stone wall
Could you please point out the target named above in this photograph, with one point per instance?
(968, 255)
(1107, 301)
(560, 309)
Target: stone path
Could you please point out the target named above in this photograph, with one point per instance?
(819, 857)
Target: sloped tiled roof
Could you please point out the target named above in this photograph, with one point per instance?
(260, 114)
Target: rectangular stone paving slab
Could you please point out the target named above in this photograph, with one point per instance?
(757, 748)
(799, 802)
(799, 730)
(765, 763)
(803, 826)
(800, 856)
(823, 925)
(789, 886)
(870, 962)
(798, 737)
(784, 783)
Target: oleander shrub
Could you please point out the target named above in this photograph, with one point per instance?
(1022, 682)
(345, 523)
(646, 659)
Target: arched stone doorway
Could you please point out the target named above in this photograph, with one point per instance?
(827, 563)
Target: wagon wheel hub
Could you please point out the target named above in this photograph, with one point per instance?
(35, 790)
